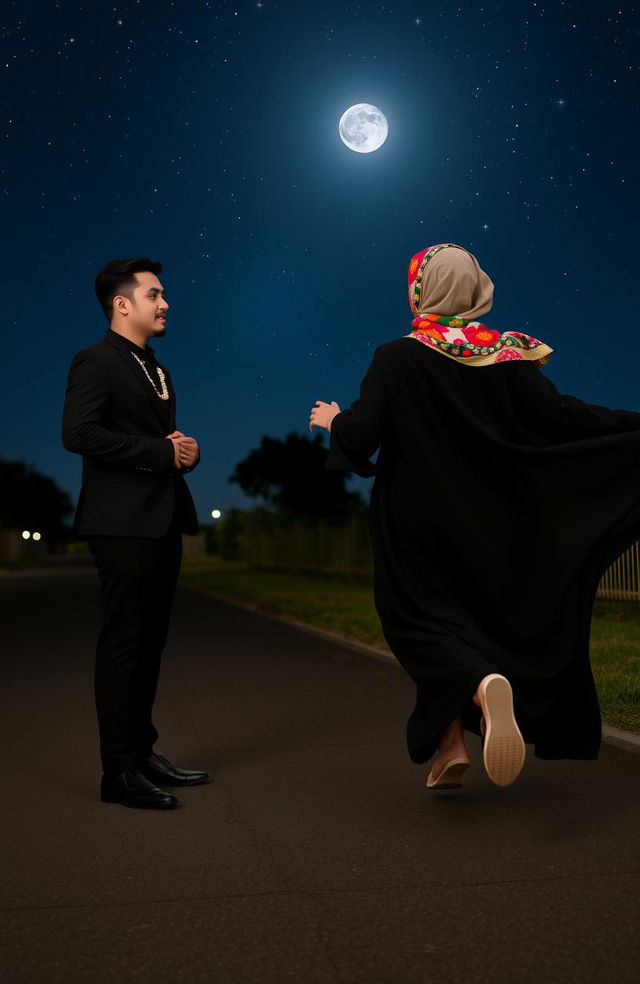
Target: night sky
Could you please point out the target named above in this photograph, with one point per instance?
(205, 135)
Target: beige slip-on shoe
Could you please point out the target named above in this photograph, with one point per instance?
(503, 750)
(450, 776)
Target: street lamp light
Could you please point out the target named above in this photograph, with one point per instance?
(216, 514)
(26, 535)
(37, 536)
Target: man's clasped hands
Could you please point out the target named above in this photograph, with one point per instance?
(185, 450)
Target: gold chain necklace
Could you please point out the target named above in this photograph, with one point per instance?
(164, 392)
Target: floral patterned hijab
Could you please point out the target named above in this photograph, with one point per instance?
(448, 296)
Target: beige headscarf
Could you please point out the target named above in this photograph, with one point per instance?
(454, 285)
(447, 292)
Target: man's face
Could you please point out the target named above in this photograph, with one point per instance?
(149, 309)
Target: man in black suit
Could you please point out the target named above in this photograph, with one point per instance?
(134, 506)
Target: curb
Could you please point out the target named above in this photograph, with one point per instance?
(626, 740)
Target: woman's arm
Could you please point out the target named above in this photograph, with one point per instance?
(356, 433)
(567, 418)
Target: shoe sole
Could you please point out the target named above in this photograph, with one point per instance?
(503, 751)
(450, 776)
(168, 782)
(137, 806)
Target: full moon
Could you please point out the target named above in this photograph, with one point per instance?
(363, 128)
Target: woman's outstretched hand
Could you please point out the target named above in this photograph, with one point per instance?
(322, 414)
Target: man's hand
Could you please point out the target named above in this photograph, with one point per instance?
(176, 449)
(322, 414)
(185, 449)
(189, 451)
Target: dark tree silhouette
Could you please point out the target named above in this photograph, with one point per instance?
(31, 501)
(291, 476)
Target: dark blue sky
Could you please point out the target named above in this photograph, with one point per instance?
(205, 135)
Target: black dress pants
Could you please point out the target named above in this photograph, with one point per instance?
(137, 584)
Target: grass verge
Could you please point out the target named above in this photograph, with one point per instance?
(347, 608)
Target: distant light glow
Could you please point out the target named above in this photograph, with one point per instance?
(26, 535)
(37, 536)
(216, 514)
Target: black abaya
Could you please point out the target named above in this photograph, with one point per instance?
(497, 506)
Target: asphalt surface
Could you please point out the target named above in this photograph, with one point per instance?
(316, 854)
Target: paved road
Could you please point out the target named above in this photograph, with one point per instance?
(316, 855)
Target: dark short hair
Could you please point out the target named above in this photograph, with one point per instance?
(118, 277)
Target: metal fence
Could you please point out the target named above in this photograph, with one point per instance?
(621, 581)
(345, 550)
(323, 548)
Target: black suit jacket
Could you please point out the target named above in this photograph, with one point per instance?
(115, 420)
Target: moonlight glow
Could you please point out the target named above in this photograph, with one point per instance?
(363, 128)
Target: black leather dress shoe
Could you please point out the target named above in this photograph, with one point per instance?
(159, 769)
(132, 789)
